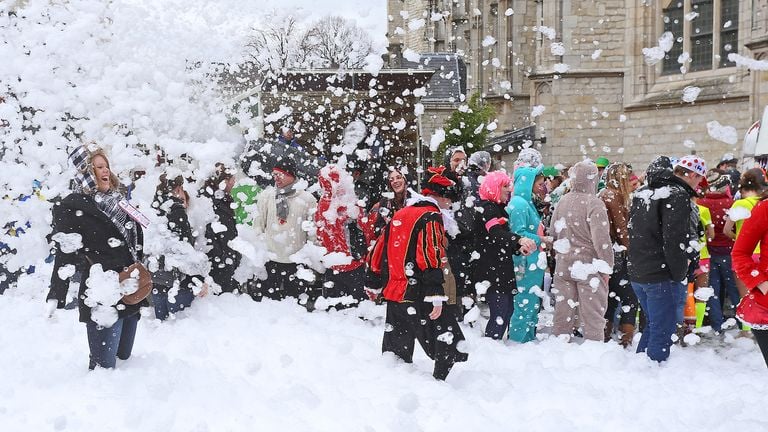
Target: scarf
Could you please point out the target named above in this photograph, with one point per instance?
(281, 199)
(108, 203)
(449, 222)
(84, 182)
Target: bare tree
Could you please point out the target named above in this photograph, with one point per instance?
(274, 45)
(281, 43)
(336, 42)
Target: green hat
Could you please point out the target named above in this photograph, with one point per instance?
(550, 171)
(602, 162)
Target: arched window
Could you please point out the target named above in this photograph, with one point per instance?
(704, 31)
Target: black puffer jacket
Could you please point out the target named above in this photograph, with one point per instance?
(496, 245)
(178, 224)
(660, 226)
(77, 213)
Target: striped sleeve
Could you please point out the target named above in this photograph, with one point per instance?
(430, 249)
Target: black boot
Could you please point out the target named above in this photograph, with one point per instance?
(442, 368)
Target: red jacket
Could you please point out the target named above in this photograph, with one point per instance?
(718, 204)
(409, 254)
(337, 215)
(754, 231)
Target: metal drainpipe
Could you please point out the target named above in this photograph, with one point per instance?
(509, 32)
(419, 142)
(480, 53)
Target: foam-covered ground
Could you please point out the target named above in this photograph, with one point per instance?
(230, 364)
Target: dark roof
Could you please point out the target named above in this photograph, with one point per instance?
(511, 142)
(449, 81)
(380, 101)
(246, 79)
(391, 80)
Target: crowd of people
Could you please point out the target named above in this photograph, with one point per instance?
(606, 250)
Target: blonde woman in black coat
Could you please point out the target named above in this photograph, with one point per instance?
(109, 241)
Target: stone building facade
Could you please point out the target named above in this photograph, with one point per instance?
(583, 63)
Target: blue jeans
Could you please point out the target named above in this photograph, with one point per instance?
(106, 343)
(723, 282)
(682, 297)
(660, 302)
(501, 306)
(164, 307)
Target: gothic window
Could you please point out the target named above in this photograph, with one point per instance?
(493, 23)
(701, 35)
(705, 32)
(729, 31)
(673, 23)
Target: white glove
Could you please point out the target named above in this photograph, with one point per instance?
(50, 308)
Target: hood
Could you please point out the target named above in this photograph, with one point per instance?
(338, 193)
(528, 157)
(490, 188)
(330, 179)
(480, 160)
(524, 179)
(584, 177)
(659, 172)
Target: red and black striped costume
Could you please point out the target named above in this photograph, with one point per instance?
(409, 256)
(408, 261)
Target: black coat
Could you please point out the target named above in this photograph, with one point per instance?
(660, 229)
(224, 259)
(60, 287)
(496, 248)
(77, 213)
(465, 219)
(178, 224)
(461, 246)
(473, 175)
(386, 208)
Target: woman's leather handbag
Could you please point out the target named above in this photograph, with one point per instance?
(137, 271)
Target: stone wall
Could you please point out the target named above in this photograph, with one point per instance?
(584, 117)
(413, 39)
(615, 104)
(652, 132)
(511, 114)
(589, 25)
